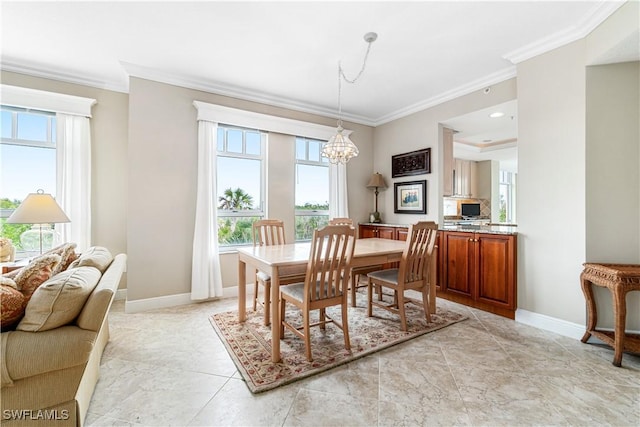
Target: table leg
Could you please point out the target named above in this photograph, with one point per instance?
(592, 315)
(275, 315)
(242, 291)
(620, 315)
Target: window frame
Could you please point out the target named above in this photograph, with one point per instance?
(323, 162)
(259, 211)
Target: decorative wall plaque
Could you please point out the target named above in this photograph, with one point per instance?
(412, 163)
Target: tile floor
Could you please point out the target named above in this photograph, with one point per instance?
(168, 367)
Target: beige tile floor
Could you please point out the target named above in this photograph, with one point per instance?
(168, 367)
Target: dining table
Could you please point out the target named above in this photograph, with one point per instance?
(281, 261)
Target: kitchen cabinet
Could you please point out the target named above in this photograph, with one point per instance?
(465, 182)
(479, 270)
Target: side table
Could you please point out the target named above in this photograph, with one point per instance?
(619, 279)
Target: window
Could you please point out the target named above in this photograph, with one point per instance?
(240, 183)
(28, 163)
(507, 197)
(312, 188)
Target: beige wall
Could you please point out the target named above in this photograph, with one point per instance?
(567, 143)
(613, 177)
(162, 183)
(109, 128)
(421, 130)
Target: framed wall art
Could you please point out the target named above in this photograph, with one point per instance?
(412, 163)
(410, 197)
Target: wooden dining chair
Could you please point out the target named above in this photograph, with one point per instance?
(358, 271)
(412, 274)
(325, 284)
(266, 232)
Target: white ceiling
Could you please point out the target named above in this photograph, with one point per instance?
(287, 53)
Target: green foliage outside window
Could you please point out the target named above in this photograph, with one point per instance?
(306, 224)
(12, 231)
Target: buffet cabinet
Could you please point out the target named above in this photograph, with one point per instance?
(474, 269)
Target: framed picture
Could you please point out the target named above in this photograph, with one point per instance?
(412, 163)
(410, 197)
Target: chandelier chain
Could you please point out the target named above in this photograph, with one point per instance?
(342, 75)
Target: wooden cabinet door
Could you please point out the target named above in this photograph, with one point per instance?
(367, 231)
(386, 233)
(458, 263)
(495, 269)
(401, 234)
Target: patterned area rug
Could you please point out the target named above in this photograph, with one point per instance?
(249, 343)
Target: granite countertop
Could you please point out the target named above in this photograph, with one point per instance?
(488, 229)
(468, 228)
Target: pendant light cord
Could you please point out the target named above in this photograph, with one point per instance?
(342, 75)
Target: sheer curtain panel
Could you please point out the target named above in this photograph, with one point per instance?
(206, 280)
(73, 178)
(338, 198)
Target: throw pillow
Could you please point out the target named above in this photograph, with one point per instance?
(59, 300)
(67, 254)
(35, 274)
(11, 304)
(96, 256)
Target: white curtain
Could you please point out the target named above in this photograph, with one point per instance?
(206, 280)
(338, 198)
(73, 178)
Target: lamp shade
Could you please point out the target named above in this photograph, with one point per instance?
(38, 208)
(377, 181)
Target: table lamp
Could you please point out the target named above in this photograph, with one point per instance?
(39, 209)
(376, 181)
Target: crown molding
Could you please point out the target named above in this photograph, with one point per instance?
(63, 76)
(466, 89)
(236, 92)
(598, 13)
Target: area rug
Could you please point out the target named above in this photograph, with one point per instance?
(249, 342)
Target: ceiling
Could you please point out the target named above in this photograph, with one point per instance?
(287, 53)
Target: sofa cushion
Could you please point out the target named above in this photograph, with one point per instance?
(11, 304)
(59, 300)
(38, 271)
(96, 256)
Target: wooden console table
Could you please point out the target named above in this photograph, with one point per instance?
(619, 279)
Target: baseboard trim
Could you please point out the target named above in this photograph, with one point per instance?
(551, 324)
(137, 306)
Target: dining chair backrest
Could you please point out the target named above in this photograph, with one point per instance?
(416, 258)
(267, 232)
(341, 221)
(329, 265)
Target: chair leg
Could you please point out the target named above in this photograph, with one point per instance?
(283, 303)
(267, 303)
(255, 295)
(403, 317)
(307, 334)
(425, 303)
(323, 319)
(369, 296)
(354, 283)
(345, 327)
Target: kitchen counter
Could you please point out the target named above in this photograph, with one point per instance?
(469, 228)
(488, 229)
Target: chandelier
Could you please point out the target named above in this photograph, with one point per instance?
(339, 148)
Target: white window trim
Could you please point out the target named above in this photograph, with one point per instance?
(16, 96)
(266, 122)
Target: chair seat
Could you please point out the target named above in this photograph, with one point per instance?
(262, 276)
(390, 275)
(296, 291)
